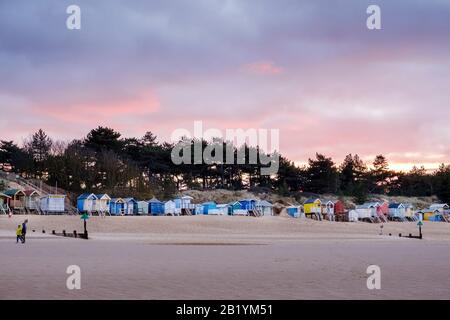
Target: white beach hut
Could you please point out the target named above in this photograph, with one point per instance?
(397, 211)
(101, 204)
(169, 208)
(53, 203)
(143, 207)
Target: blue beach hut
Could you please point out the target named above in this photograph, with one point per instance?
(247, 204)
(155, 207)
(131, 206)
(206, 206)
(116, 206)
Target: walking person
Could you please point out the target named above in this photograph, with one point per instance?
(19, 233)
(24, 230)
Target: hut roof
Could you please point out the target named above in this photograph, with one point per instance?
(130, 200)
(395, 205)
(86, 196)
(29, 193)
(264, 203)
(311, 200)
(154, 200)
(13, 192)
(368, 205)
(103, 196)
(438, 206)
(4, 195)
(115, 200)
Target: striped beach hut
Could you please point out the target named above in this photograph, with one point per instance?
(86, 202)
(155, 207)
(184, 205)
(116, 206)
(131, 206)
(101, 204)
(52, 203)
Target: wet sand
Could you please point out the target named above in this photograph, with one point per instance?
(223, 258)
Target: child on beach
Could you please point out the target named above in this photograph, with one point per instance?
(19, 233)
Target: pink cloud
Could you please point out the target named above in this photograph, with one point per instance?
(263, 68)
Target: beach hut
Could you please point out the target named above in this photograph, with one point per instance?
(339, 207)
(4, 203)
(52, 203)
(313, 208)
(247, 204)
(236, 209)
(256, 208)
(219, 210)
(170, 208)
(295, 211)
(86, 202)
(367, 211)
(117, 206)
(131, 206)
(397, 211)
(409, 212)
(327, 209)
(101, 204)
(441, 207)
(383, 211)
(17, 199)
(265, 208)
(353, 216)
(207, 206)
(183, 205)
(155, 207)
(143, 207)
(32, 200)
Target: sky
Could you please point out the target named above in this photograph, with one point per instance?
(311, 69)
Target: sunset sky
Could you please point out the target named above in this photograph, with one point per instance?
(309, 68)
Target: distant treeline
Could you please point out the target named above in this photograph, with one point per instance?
(105, 162)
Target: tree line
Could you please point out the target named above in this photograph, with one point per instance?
(104, 161)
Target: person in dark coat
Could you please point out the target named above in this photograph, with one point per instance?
(24, 230)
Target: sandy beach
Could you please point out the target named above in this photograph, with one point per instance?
(206, 257)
